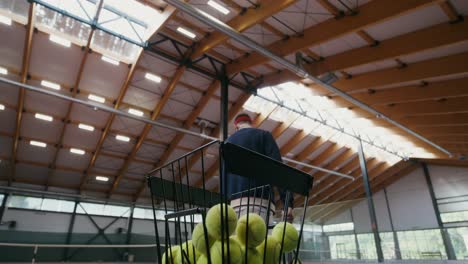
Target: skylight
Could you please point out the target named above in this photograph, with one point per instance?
(2, 107)
(60, 41)
(3, 71)
(110, 60)
(314, 113)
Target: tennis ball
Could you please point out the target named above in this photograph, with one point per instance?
(272, 250)
(172, 255)
(202, 259)
(187, 250)
(256, 229)
(236, 253)
(213, 220)
(198, 239)
(291, 236)
(254, 256)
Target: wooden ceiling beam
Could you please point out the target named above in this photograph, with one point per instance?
(24, 78)
(369, 14)
(242, 22)
(449, 10)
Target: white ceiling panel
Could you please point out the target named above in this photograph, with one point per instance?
(11, 47)
(9, 93)
(75, 136)
(7, 145)
(177, 109)
(300, 147)
(339, 45)
(436, 53)
(89, 116)
(154, 64)
(33, 153)
(66, 178)
(127, 125)
(8, 120)
(142, 98)
(45, 104)
(111, 144)
(103, 78)
(211, 111)
(409, 22)
(182, 94)
(150, 151)
(260, 35)
(68, 159)
(138, 168)
(54, 62)
(31, 173)
(106, 163)
(40, 129)
(375, 66)
(286, 136)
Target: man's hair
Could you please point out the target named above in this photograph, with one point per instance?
(241, 118)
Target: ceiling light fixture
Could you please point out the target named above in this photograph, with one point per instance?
(122, 138)
(110, 60)
(135, 112)
(96, 98)
(77, 151)
(60, 41)
(5, 20)
(153, 77)
(3, 71)
(2, 107)
(38, 143)
(186, 32)
(44, 117)
(50, 85)
(86, 127)
(218, 7)
(102, 178)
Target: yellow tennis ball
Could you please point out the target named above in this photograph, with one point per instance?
(272, 250)
(187, 250)
(213, 221)
(172, 255)
(291, 236)
(199, 240)
(236, 253)
(202, 259)
(254, 256)
(256, 229)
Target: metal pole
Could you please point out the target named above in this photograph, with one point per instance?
(70, 232)
(4, 206)
(129, 232)
(224, 107)
(370, 202)
(234, 34)
(443, 231)
(395, 237)
(356, 241)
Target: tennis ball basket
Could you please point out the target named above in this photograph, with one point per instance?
(196, 220)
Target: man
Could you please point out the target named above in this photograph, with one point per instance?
(260, 141)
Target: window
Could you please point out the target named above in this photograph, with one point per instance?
(421, 244)
(454, 217)
(103, 209)
(57, 205)
(459, 239)
(338, 227)
(343, 247)
(25, 202)
(367, 247)
(388, 245)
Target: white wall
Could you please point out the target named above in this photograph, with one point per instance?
(27, 220)
(410, 202)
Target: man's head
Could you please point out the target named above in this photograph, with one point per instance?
(242, 120)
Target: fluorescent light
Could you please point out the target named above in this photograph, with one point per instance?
(152, 77)
(38, 143)
(135, 112)
(3, 71)
(50, 85)
(77, 151)
(102, 178)
(86, 127)
(2, 107)
(218, 7)
(5, 20)
(122, 138)
(186, 32)
(43, 117)
(109, 60)
(60, 41)
(96, 98)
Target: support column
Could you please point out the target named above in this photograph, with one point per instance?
(443, 231)
(224, 106)
(395, 237)
(4, 206)
(370, 202)
(70, 232)
(128, 238)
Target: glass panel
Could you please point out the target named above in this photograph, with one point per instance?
(2, 196)
(454, 217)
(83, 9)
(459, 238)
(139, 213)
(343, 247)
(66, 206)
(50, 205)
(25, 202)
(339, 227)
(388, 245)
(119, 49)
(16, 10)
(114, 210)
(421, 244)
(91, 208)
(367, 247)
